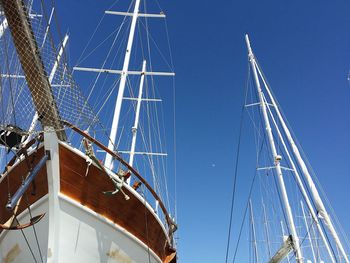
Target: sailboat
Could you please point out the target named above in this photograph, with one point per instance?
(287, 217)
(66, 193)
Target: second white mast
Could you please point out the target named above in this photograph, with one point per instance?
(124, 74)
(276, 157)
(137, 115)
(321, 209)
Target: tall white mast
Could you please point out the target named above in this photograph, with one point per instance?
(124, 74)
(276, 157)
(321, 209)
(137, 115)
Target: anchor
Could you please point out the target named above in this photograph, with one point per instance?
(14, 202)
(122, 175)
(13, 223)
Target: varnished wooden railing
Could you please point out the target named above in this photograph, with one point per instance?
(171, 224)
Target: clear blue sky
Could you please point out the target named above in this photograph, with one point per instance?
(304, 49)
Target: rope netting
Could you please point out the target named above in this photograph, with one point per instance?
(36, 84)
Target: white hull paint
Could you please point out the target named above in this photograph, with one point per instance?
(84, 236)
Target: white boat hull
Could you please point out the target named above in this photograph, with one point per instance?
(84, 236)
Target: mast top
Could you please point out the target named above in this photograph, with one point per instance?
(250, 51)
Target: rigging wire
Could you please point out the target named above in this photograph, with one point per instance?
(174, 142)
(30, 249)
(146, 224)
(149, 36)
(236, 172)
(81, 59)
(234, 183)
(34, 230)
(92, 88)
(245, 212)
(148, 111)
